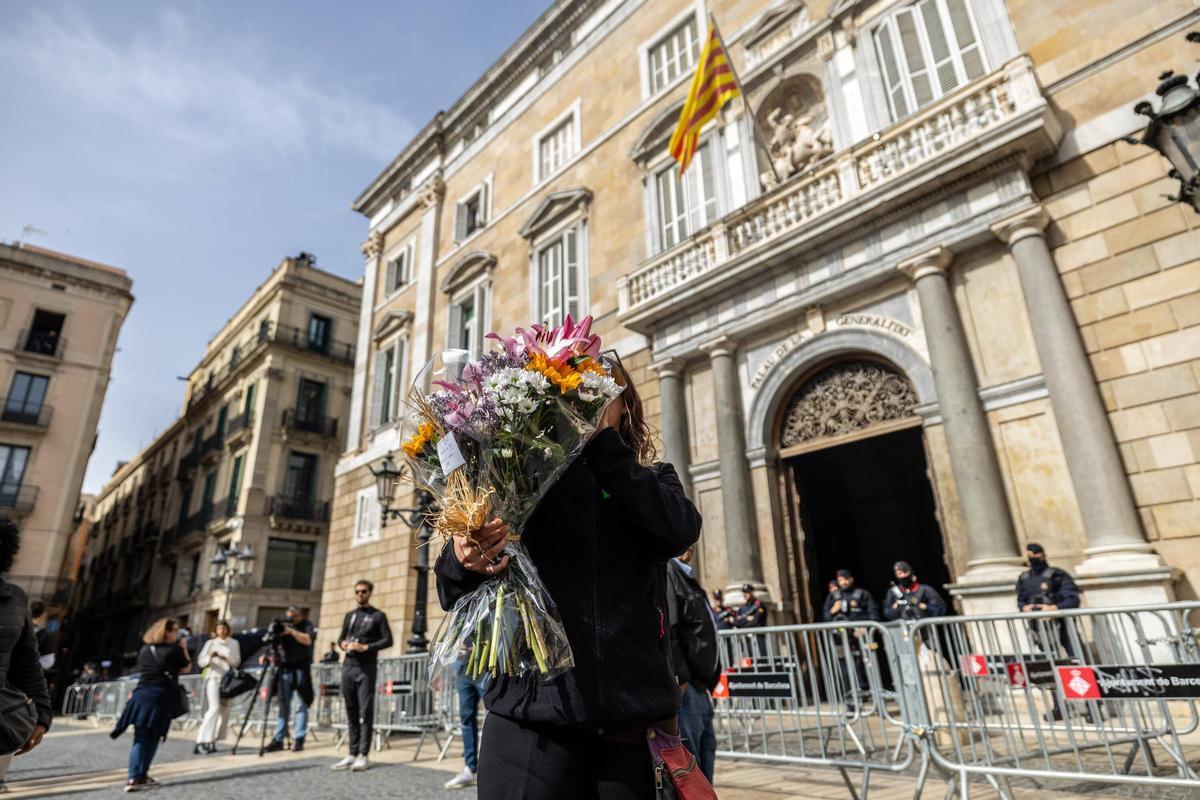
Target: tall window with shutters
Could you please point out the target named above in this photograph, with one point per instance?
(387, 387)
(927, 50)
(673, 55)
(470, 312)
(366, 517)
(685, 205)
(556, 147)
(398, 273)
(560, 271)
(471, 213)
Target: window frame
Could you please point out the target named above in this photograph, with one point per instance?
(889, 26)
(543, 244)
(23, 408)
(482, 191)
(403, 254)
(13, 486)
(367, 517)
(390, 383)
(479, 292)
(650, 87)
(297, 545)
(571, 116)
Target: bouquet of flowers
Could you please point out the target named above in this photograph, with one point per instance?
(487, 440)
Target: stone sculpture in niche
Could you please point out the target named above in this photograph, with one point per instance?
(846, 398)
(795, 144)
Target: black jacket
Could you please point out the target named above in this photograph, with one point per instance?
(19, 666)
(694, 643)
(600, 539)
(896, 598)
(368, 625)
(857, 604)
(1047, 585)
(750, 615)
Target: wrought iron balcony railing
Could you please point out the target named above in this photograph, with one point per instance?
(18, 497)
(320, 425)
(21, 412)
(298, 508)
(42, 343)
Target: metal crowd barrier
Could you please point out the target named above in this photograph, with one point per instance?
(814, 695)
(407, 702)
(1097, 695)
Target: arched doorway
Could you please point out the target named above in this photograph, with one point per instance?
(857, 480)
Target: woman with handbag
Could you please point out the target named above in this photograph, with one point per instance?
(219, 655)
(25, 710)
(600, 539)
(156, 701)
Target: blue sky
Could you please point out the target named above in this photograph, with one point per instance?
(194, 144)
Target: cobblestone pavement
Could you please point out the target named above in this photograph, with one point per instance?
(86, 763)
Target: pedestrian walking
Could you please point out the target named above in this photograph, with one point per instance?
(21, 676)
(695, 655)
(752, 613)
(849, 603)
(364, 633)
(295, 679)
(45, 644)
(470, 694)
(219, 655)
(584, 733)
(909, 599)
(155, 701)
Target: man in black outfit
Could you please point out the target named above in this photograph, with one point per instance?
(751, 614)
(364, 633)
(850, 603)
(908, 599)
(695, 657)
(295, 677)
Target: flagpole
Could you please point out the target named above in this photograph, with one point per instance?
(758, 134)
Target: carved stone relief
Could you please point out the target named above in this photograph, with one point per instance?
(797, 126)
(847, 397)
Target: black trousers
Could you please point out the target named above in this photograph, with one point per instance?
(517, 762)
(358, 693)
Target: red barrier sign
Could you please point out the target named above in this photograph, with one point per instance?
(1079, 683)
(975, 664)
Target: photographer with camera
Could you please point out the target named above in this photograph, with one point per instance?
(364, 633)
(849, 603)
(294, 635)
(907, 599)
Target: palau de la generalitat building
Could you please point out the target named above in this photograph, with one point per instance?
(941, 310)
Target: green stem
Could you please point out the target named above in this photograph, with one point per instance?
(497, 610)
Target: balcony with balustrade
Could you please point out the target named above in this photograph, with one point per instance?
(17, 499)
(20, 413)
(997, 119)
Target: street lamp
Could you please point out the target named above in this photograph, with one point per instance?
(231, 569)
(1174, 131)
(387, 477)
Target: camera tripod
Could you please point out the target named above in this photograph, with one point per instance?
(270, 676)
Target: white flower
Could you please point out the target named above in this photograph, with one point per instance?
(506, 452)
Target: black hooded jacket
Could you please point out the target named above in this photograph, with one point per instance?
(600, 539)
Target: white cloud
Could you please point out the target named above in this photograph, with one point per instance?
(177, 82)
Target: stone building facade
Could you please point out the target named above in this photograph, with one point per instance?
(60, 317)
(249, 462)
(935, 311)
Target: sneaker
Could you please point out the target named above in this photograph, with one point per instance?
(360, 764)
(150, 781)
(137, 784)
(345, 763)
(274, 747)
(298, 745)
(462, 780)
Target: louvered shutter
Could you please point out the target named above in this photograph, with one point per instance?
(939, 47)
(400, 391)
(914, 58)
(377, 379)
(389, 280)
(892, 77)
(460, 223)
(454, 336)
(483, 205)
(969, 50)
(571, 273)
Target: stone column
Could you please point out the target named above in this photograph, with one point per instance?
(741, 540)
(673, 419)
(993, 559)
(1116, 542)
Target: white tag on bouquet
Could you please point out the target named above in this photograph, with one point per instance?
(449, 454)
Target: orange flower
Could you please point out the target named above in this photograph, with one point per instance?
(592, 365)
(413, 447)
(559, 373)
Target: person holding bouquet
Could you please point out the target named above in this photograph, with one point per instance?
(600, 539)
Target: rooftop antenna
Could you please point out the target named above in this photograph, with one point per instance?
(28, 231)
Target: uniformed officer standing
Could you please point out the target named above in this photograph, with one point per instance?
(849, 603)
(1046, 588)
(909, 599)
(751, 613)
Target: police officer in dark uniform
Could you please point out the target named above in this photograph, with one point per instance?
(1046, 588)
(849, 603)
(722, 614)
(909, 599)
(751, 613)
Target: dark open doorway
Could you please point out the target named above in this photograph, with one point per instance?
(865, 505)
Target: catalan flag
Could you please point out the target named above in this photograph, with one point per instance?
(713, 86)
